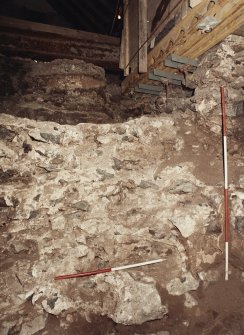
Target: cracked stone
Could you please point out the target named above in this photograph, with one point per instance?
(239, 223)
(147, 184)
(190, 301)
(58, 223)
(104, 174)
(178, 286)
(51, 138)
(6, 134)
(35, 135)
(136, 301)
(81, 205)
(183, 186)
(34, 326)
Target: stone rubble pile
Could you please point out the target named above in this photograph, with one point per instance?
(222, 66)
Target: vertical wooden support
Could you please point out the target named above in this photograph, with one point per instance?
(122, 51)
(142, 36)
(126, 38)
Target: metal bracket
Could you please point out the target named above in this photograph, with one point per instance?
(177, 62)
(151, 76)
(184, 60)
(141, 90)
(176, 65)
(178, 77)
(207, 24)
(148, 89)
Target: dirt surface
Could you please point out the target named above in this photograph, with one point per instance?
(220, 311)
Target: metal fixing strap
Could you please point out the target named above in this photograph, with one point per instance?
(150, 87)
(183, 60)
(151, 76)
(168, 62)
(143, 90)
(168, 75)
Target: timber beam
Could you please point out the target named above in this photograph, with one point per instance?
(45, 42)
(188, 39)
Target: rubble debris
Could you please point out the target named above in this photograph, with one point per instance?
(135, 302)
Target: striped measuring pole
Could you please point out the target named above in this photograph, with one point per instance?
(96, 272)
(226, 197)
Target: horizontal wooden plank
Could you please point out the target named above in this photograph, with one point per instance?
(47, 47)
(12, 23)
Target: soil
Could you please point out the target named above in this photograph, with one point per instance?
(220, 312)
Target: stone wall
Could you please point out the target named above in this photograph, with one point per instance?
(65, 91)
(87, 196)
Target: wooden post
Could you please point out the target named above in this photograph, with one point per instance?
(142, 36)
(122, 51)
(126, 39)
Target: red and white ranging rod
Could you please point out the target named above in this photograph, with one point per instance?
(225, 184)
(96, 272)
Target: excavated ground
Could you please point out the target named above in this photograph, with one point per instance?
(80, 196)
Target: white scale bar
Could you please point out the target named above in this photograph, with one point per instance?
(226, 260)
(136, 265)
(225, 162)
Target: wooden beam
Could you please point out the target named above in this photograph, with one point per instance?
(230, 14)
(179, 9)
(28, 26)
(185, 39)
(142, 36)
(126, 39)
(45, 42)
(122, 51)
(182, 34)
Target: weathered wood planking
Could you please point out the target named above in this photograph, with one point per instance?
(186, 40)
(142, 36)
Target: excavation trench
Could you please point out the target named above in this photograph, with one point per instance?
(91, 179)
